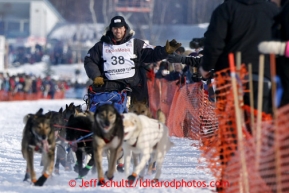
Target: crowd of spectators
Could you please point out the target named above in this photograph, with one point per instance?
(58, 53)
(30, 84)
(178, 71)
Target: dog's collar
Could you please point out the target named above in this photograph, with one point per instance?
(107, 140)
(134, 145)
(36, 148)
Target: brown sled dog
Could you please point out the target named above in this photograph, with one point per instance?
(141, 108)
(38, 136)
(108, 134)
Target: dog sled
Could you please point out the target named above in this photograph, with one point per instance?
(120, 99)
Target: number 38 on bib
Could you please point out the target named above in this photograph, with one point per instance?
(118, 63)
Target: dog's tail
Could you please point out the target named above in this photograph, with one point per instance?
(170, 145)
(26, 117)
(161, 116)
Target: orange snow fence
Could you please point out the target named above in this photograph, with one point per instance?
(251, 164)
(247, 162)
(187, 108)
(161, 93)
(19, 96)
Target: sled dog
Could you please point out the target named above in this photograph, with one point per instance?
(145, 137)
(108, 135)
(141, 108)
(38, 136)
(79, 134)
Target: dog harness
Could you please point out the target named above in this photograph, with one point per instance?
(106, 140)
(37, 144)
(36, 148)
(134, 145)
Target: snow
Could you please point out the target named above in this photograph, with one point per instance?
(182, 162)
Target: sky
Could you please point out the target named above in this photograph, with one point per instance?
(182, 164)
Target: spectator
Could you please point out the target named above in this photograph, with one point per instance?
(239, 26)
(279, 48)
(49, 87)
(78, 88)
(58, 53)
(197, 45)
(1, 81)
(27, 84)
(21, 57)
(53, 88)
(231, 31)
(163, 70)
(180, 50)
(177, 74)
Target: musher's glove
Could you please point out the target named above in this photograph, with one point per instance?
(274, 47)
(98, 81)
(175, 58)
(172, 46)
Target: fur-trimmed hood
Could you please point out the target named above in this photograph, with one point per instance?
(108, 36)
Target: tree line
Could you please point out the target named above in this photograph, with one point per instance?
(166, 12)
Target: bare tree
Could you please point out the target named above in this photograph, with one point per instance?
(155, 36)
(108, 10)
(149, 18)
(93, 15)
(104, 10)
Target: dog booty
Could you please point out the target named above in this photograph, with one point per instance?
(108, 177)
(85, 170)
(131, 178)
(120, 168)
(101, 182)
(41, 180)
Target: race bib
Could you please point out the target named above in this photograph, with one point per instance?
(118, 63)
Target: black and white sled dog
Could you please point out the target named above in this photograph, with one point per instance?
(144, 136)
(38, 136)
(62, 156)
(107, 135)
(79, 134)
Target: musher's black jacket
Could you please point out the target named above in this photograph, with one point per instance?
(93, 62)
